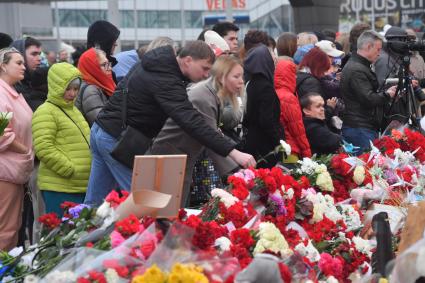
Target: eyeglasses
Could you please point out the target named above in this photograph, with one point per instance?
(106, 65)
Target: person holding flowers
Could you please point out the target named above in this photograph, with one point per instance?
(61, 140)
(16, 154)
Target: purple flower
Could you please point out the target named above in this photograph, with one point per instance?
(281, 210)
(76, 210)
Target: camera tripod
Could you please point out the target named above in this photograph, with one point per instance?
(405, 96)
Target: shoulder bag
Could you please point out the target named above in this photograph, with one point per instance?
(131, 142)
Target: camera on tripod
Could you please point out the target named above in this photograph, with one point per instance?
(404, 45)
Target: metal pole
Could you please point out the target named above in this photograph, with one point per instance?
(114, 18)
(229, 11)
(136, 21)
(357, 11)
(373, 15)
(183, 22)
(57, 23)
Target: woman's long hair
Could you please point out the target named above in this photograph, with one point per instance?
(220, 70)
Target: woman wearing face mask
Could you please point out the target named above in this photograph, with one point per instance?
(16, 154)
(97, 85)
(61, 140)
(208, 97)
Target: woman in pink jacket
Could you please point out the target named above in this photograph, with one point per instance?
(16, 153)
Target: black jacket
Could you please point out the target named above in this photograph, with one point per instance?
(156, 91)
(322, 140)
(262, 108)
(308, 83)
(262, 119)
(363, 104)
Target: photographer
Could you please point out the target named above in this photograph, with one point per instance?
(359, 87)
(389, 65)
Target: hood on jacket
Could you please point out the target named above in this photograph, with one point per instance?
(285, 76)
(58, 78)
(259, 61)
(104, 34)
(162, 60)
(126, 60)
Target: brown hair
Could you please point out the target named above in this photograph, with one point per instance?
(198, 50)
(287, 44)
(355, 33)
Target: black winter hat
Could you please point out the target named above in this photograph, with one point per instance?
(5, 40)
(395, 33)
(104, 34)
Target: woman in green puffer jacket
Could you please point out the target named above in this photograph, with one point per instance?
(61, 140)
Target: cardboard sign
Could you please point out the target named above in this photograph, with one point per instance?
(156, 186)
(414, 228)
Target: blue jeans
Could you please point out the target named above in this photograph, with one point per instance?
(106, 173)
(360, 137)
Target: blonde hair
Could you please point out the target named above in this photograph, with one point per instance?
(220, 70)
(305, 38)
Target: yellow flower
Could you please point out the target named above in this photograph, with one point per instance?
(152, 275)
(186, 274)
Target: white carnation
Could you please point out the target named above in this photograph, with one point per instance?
(308, 251)
(271, 239)
(362, 245)
(359, 175)
(60, 277)
(227, 199)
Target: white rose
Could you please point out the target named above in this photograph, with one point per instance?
(324, 182)
(223, 243)
(359, 175)
(104, 210)
(111, 276)
(286, 147)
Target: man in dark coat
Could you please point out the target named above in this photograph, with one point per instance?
(359, 87)
(321, 139)
(156, 91)
(30, 48)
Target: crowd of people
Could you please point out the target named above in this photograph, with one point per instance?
(76, 127)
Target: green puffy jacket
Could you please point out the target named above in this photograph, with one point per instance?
(64, 152)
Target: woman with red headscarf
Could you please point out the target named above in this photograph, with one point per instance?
(98, 84)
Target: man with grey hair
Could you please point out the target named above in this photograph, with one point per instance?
(359, 87)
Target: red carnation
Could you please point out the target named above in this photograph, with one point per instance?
(242, 237)
(50, 220)
(128, 226)
(331, 266)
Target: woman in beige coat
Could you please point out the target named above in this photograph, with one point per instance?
(208, 97)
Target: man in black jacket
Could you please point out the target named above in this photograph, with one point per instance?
(321, 139)
(156, 91)
(30, 48)
(359, 87)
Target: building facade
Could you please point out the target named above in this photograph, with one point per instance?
(142, 20)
